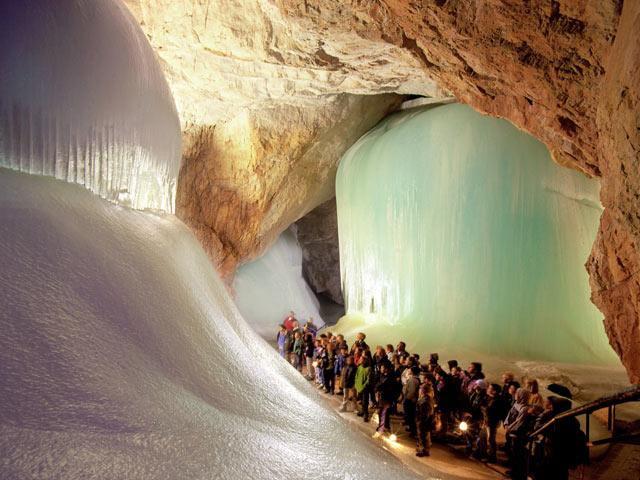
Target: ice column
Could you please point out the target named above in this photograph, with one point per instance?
(461, 232)
(83, 99)
(272, 285)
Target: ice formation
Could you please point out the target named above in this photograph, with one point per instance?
(83, 99)
(461, 232)
(122, 356)
(272, 285)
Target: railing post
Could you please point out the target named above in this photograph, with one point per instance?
(587, 429)
(613, 418)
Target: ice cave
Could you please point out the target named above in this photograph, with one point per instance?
(421, 177)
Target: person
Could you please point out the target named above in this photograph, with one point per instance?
(317, 361)
(410, 392)
(309, 349)
(357, 355)
(401, 350)
(476, 433)
(379, 356)
(310, 327)
(446, 400)
(508, 378)
(359, 343)
(385, 395)
(535, 398)
(433, 361)
(453, 365)
(496, 412)
(288, 345)
(341, 343)
(348, 384)
(517, 426)
(281, 339)
(362, 387)
(328, 368)
(298, 347)
(288, 320)
(339, 365)
(409, 363)
(474, 373)
(564, 443)
(390, 353)
(424, 419)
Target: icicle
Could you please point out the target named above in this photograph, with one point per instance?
(77, 79)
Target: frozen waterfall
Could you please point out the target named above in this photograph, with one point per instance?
(460, 231)
(83, 99)
(267, 288)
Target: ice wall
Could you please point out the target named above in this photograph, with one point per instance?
(460, 231)
(267, 288)
(122, 356)
(83, 99)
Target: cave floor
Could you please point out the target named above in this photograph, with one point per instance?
(448, 462)
(445, 462)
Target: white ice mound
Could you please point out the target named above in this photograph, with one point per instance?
(122, 356)
(272, 285)
(83, 99)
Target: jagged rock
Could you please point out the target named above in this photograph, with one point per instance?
(614, 265)
(243, 182)
(318, 236)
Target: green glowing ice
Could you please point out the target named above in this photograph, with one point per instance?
(458, 229)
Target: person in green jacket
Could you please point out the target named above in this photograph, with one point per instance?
(363, 387)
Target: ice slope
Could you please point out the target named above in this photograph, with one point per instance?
(83, 99)
(461, 232)
(122, 356)
(267, 288)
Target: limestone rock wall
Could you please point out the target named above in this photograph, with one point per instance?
(244, 181)
(318, 237)
(614, 264)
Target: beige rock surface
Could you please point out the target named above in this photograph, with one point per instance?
(566, 71)
(244, 181)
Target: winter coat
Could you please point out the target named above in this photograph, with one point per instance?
(386, 388)
(349, 376)
(339, 364)
(309, 349)
(495, 410)
(281, 339)
(328, 360)
(362, 378)
(410, 389)
(425, 412)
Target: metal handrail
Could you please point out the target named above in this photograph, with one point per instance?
(633, 394)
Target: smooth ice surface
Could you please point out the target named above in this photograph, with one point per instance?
(122, 356)
(83, 99)
(460, 230)
(267, 288)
